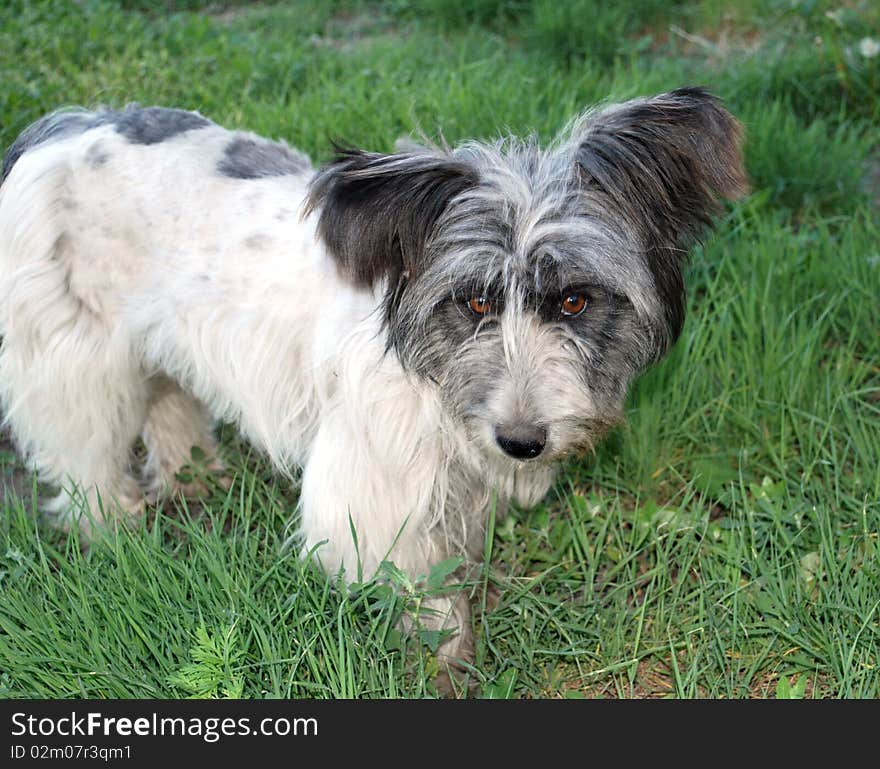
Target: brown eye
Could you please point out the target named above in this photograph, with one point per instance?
(573, 304)
(479, 305)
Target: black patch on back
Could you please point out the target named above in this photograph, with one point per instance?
(139, 125)
(246, 158)
(152, 125)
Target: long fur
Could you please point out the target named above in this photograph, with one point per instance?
(159, 272)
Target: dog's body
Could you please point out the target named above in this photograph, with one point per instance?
(423, 333)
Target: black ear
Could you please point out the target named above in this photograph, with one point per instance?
(377, 212)
(663, 163)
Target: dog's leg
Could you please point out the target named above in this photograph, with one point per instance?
(72, 391)
(176, 422)
(75, 405)
(367, 500)
(455, 655)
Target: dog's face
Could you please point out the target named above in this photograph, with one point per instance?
(533, 285)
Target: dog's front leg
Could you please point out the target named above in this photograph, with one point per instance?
(366, 498)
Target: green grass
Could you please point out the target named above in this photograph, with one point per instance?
(724, 543)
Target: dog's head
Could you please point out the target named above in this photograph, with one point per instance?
(532, 285)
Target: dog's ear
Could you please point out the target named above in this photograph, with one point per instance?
(663, 163)
(376, 212)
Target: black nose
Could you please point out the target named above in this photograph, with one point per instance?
(521, 441)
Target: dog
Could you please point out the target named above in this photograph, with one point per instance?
(424, 335)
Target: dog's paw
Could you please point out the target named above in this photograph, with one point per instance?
(454, 682)
(492, 598)
(91, 516)
(194, 480)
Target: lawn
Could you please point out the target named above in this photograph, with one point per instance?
(722, 544)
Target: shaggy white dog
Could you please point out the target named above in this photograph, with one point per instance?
(421, 332)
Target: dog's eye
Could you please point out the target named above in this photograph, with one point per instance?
(573, 305)
(479, 305)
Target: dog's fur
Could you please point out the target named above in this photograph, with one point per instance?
(158, 272)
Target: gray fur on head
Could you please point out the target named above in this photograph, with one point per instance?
(608, 211)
